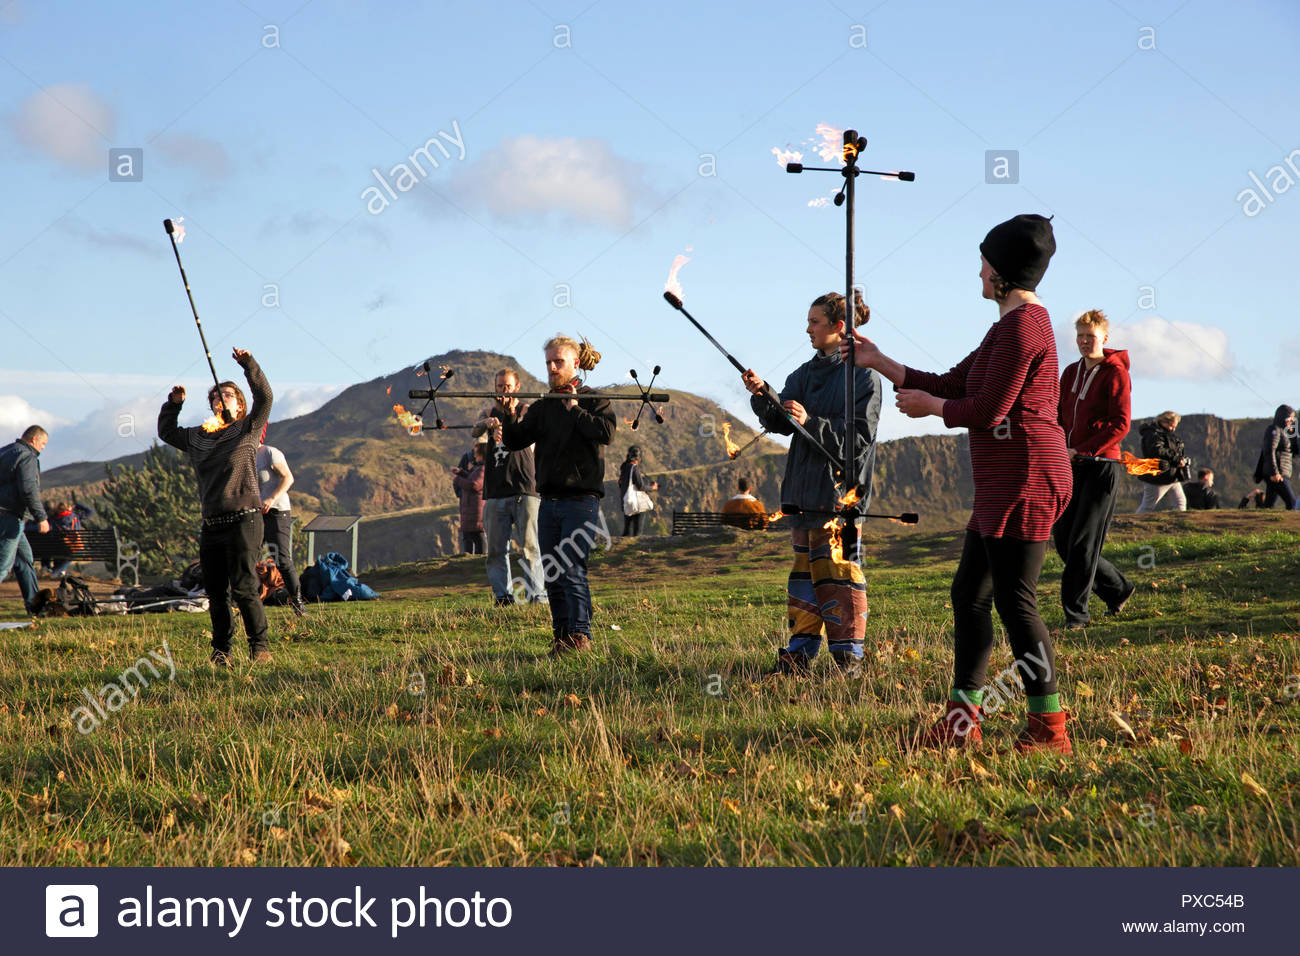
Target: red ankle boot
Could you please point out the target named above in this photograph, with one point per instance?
(1045, 732)
(958, 727)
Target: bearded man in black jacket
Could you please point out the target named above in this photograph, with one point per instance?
(568, 436)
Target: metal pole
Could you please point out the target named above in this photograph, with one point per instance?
(850, 396)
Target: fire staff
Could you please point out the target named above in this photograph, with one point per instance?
(568, 436)
(1006, 393)
(223, 456)
(826, 590)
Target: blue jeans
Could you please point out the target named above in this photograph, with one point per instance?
(504, 520)
(16, 553)
(568, 529)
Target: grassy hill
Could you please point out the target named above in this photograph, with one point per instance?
(428, 728)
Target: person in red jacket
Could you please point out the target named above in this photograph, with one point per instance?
(1006, 394)
(1094, 413)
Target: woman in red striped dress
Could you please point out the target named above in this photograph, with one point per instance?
(1006, 393)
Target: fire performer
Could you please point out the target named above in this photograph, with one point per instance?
(568, 436)
(1006, 393)
(1094, 413)
(826, 589)
(510, 499)
(223, 456)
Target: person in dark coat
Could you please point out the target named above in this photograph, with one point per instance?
(223, 456)
(569, 436)
(1159, 440)
(20, 493)
(1006, 394)
(468, 483)
(1200, 493)
(1277, 458)
(629, 476)
(826, 589)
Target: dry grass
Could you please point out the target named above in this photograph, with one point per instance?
(427, 728)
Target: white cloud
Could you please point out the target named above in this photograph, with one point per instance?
(533, 177)
(16, 414)
(124, 428)
(1162, 348)
(206, 155)
(67, 122)
(114, 240)
(292, 402)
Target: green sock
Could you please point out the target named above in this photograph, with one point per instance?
(1051, 704)
(972, 698)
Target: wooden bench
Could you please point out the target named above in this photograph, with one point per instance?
(697, 522)
(87, 544)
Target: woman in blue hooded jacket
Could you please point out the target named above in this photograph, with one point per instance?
(827, 590)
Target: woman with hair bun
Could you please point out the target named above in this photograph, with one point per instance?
(569, 436)
(826, 590)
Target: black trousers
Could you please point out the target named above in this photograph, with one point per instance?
(228, 559)
(1001, 573)
(1079, 535)
(473, 542)
(632, 525)
(277, 535)
(1280, 489)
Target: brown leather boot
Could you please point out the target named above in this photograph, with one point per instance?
(1045, 732)
(958, 727)
(569, 643)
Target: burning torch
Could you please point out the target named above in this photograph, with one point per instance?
(176, 233)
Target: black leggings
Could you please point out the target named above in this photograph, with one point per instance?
(1001, 572)
(1280, 490)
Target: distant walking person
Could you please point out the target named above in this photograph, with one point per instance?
(629, 476)
(224, 458)
(1200, 493)
(274, 479)
(1277, 458)
(469, 487)
(1094, 412)
(568, 436)
(510, 502)
(1159, 441)
(20, 493)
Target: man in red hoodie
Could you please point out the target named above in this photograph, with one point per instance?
(1094, 413)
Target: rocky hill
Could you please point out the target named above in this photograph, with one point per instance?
(352, 456)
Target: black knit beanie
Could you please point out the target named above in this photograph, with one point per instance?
(1019, 248)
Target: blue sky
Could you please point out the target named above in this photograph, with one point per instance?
(599, 141)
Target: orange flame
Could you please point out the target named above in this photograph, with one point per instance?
(446, 371)
(837, 546)
(411, 422)
(672, 285)
(732, 448)
(775, 516)
(388, 390)
(850, 499)
(213, 424)
(1140, 466)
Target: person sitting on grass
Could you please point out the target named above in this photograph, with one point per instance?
(1200, 493)
(743, 510)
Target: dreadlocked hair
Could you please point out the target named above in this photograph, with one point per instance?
(832, 303)
(587, 355)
